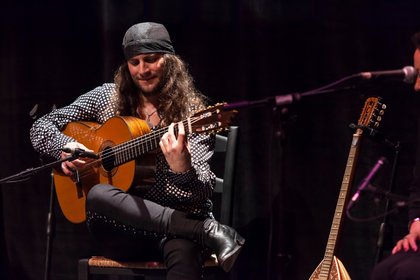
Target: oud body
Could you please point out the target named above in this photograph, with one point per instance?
(337, 271)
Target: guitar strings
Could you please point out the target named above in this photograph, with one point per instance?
(128, 145)
(138, 141)
(135, 142)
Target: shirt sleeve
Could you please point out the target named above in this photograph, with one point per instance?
(199, 181)
(96, 105)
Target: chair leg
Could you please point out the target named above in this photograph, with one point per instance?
(84, 269)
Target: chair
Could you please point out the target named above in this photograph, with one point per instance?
(225, 147)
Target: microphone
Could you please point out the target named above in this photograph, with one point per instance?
(408, 74)
(77, 152)
(366, 181)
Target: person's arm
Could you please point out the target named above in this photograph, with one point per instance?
(189, 163)
(45, 133)
(409, 242)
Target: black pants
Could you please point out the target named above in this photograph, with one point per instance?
(401, 266)
(128, 227)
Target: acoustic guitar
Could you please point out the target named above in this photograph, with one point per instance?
(118, 142)
(331, 268)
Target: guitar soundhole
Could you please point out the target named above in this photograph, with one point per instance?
(108, 158)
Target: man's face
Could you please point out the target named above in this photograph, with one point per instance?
(416, 59)
(146, 70)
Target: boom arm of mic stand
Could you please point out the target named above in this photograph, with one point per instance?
(244, 104)
(32, 171)
(286, 99)
(279, 100)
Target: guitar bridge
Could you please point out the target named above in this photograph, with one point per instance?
(79, 188)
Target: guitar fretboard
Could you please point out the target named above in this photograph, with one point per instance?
(339, 210)
(136, 147)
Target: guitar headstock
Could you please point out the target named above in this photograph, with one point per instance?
(212, 119)
(372, 113)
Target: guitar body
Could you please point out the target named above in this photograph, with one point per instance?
(124, 146)
(337, 272)
(71, 194)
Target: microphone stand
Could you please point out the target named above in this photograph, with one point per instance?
(50, 230)
(385, 229)
(278, 135)
(26, 174)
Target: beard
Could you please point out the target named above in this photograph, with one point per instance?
(157, 90)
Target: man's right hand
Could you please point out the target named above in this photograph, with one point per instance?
(69, 167)
(410, 240)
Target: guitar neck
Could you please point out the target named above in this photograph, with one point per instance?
(339, 210)
(136, 147)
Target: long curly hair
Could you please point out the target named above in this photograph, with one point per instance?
(178, 98)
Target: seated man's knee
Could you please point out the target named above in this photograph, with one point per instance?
(98, 195)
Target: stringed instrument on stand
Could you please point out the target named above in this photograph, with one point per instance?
(331, 268)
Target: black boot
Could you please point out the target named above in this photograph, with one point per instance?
(221, 239)
(224, 241)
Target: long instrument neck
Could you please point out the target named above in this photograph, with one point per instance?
(341, 203)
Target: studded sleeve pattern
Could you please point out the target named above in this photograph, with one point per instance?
(194, 187)
(96, 105)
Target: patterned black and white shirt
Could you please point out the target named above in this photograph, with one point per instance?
(189, 192)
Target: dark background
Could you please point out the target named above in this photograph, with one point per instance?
(291, 158)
